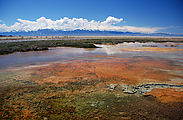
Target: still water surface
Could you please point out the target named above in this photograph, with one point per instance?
(19, 59)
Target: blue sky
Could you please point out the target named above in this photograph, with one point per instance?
(165, 14)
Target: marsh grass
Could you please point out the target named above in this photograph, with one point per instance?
(6, 48)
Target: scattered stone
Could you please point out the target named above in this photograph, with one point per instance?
(142, 89)
(112, 86)
(128, 89)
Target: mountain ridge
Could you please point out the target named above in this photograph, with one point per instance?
(78, 32)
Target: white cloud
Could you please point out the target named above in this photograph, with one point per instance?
(112, 20)
(66, 24)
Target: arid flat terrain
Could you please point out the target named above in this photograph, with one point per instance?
(93, 37)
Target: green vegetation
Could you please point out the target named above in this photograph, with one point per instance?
(6, 48)
(48, 101)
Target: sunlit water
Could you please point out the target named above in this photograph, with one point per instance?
(19, 59)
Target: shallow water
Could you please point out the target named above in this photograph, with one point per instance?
(129, 57)
(19, 59)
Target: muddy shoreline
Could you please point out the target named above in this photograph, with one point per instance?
(39, 45)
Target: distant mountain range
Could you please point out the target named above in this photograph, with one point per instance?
(51, 32)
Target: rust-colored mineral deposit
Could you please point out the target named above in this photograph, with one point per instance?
(166, 95)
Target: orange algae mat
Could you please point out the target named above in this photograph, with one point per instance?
(127, 71)
(166, 95)
(123, 70)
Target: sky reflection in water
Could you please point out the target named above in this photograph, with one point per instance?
(19, 59)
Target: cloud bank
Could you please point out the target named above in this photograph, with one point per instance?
(67, 24)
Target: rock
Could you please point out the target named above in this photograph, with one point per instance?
(143, 90)
(129, 89)
(112, 86)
